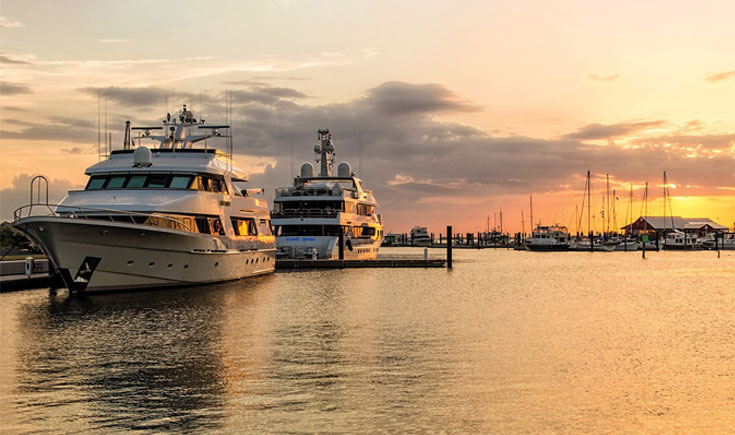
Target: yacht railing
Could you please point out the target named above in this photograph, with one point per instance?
(291, 192)
(91, 213)
(305, 212)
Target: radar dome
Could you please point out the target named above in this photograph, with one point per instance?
(344, 170)
(142, 157)
(307, 170)
(317, 148)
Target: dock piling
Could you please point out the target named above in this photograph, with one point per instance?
(449, 246)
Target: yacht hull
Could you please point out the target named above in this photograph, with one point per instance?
(326, 247)
(547, 248)
(103, 256)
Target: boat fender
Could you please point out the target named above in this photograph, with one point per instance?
(349, 244)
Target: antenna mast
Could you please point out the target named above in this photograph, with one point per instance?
(325, 149)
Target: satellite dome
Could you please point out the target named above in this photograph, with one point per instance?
(307, 170)
(142, 157)
(344, 170)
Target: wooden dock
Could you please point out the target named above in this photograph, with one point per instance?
(289, 264)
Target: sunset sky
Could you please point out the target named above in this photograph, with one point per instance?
(458, 109)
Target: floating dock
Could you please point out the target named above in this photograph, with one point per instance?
(289, 264)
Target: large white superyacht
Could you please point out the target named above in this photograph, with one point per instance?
(311, 217)
(172, 215)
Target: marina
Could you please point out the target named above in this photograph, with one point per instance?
(367, 217)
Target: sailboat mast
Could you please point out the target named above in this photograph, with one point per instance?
(523, 224)
(614, 216)
(589, 204)
(607, 198)
(664, 201)
(501, 221)
(531, 200)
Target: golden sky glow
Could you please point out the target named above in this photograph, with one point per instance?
(456, 105)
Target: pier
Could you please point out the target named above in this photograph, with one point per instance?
(289, 264)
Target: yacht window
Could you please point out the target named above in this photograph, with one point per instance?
(180, 182)
(265, 227)
(116, 182)
(244, 226)
(136, 182)
(156, 181)
(202, 225)
(96, 183)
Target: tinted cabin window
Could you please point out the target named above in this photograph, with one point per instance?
(136, 182)
(156, 181)
(202, 225)
(116, 182)
(180, 182)
(96, 183)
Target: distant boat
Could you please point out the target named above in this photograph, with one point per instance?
(598, 246)
(679, 240)
(420, 236)
(549, 238)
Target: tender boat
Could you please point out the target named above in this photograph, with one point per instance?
(170, 216)
(420, 236)
(311, 217)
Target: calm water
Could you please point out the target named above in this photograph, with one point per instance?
(506, 342)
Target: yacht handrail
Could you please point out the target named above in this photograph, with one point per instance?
(76, 212)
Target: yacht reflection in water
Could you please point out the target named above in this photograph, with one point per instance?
(149, 360)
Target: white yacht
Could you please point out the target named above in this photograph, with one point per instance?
(173, 215)
(549, 238)
(420, 236)
(311, 217)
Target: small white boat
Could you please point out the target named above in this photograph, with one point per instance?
(420, 236)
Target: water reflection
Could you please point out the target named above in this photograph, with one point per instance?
(147, 360)
(507, 342)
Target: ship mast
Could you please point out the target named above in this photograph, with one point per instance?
(325, 149)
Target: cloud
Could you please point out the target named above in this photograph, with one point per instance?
(413, 159)
(17, 194)
(399, 98)
(246, 83)
(136, 97)
(721, 77)
(7, 88)
(7, 23)
(602, 131)
(266, 95)
(57, 129)
(90, 149)
(5, 59)
(153, 96)
(113, 40)
(291, 78)
(599, 78)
